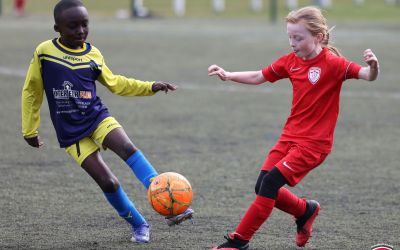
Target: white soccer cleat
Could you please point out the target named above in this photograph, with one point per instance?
(177, 219)
(141, 234)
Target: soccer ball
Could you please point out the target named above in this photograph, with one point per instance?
(170, 194)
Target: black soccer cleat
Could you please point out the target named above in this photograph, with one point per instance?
(233, 242)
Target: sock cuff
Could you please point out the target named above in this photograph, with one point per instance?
(118, 191)
(264, 201)
(134, 157)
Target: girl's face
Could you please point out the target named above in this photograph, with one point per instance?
(73, 27)
(303, 43)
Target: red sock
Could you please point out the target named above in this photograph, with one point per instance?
(290, 203)
(256, 214)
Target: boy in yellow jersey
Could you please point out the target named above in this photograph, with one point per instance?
(66, 69)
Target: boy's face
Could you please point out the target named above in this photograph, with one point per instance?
(73, 26)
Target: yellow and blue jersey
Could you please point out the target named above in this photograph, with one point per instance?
(68, 78)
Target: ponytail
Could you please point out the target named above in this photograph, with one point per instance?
(326, 44)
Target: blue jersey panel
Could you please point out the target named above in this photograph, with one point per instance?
(70, 88)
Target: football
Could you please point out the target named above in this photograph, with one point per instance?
(170, 194)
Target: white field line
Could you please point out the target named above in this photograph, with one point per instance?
(229, 87)
(12, 72)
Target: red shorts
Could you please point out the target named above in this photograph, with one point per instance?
(293, 160)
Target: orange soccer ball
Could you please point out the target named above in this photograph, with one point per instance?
(170, 194)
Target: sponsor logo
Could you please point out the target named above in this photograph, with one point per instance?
(115, 124)
(287, 165)
(72, 58)
(129, 215)
(313, 74)
(68, 92)
(382, 247)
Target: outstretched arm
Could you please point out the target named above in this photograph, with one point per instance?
(369, 73)
(245, 77)
(124, 86)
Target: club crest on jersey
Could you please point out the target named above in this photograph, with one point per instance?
(313, 74)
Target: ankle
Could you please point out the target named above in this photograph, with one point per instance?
(237, 238)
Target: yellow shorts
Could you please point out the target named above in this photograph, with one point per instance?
(86, 146)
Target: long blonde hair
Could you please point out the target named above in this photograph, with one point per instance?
(314, 22)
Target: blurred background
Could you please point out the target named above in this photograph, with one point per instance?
(388, 10)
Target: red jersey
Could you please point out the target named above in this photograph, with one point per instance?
(316, 90)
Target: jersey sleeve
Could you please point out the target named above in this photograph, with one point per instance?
(351, 70)
(32, 98)
(123, 86)
(276, 70)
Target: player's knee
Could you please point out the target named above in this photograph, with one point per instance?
(109, 184)
(259, 180)
(257, 188)
(271, 183)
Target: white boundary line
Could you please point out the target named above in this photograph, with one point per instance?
(12, 72)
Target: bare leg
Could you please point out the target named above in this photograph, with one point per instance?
(118, 141)
(99, 171)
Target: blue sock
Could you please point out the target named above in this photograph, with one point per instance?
(125, 208)
(142, 168)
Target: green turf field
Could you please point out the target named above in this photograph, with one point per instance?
(214, 133)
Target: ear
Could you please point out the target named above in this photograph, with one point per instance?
(56, 29)
(320, 37)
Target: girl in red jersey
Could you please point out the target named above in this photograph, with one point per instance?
(317, 71)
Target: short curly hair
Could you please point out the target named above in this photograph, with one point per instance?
(64, 5)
